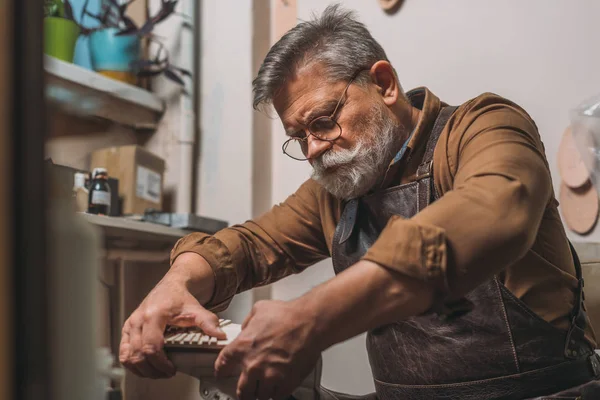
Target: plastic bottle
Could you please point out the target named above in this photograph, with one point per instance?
(99, 193)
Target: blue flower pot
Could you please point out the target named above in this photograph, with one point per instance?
(82, 50)
(112, 55)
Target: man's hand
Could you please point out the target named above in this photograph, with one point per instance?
(281, 342)
(275, 351)
(169, 303)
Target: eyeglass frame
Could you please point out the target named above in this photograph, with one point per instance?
(331, 117)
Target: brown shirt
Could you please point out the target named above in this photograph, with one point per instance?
(497, 215)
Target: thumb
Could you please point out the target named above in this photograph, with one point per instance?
(248, 317)
(209, 323)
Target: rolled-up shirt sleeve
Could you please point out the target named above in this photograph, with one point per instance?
(285, 240)
(496, 185)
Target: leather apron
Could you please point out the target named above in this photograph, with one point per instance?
(499, 350)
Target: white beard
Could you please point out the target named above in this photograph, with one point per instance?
(358, 169)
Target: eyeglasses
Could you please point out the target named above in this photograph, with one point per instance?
(324, 128)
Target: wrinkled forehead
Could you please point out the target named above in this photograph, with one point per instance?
(306, 90)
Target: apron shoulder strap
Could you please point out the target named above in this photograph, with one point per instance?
(438, 127)
(575, 334)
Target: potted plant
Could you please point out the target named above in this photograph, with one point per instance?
(60, 29)
(115, 45)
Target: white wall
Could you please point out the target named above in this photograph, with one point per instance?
(541, 54)
(225, 168)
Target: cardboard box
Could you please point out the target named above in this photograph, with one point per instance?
(140, 174)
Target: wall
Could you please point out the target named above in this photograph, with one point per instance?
(540, 54)
(226, 119)
(165, 142)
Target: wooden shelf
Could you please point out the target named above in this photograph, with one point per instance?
(84, 93)
(127, 234)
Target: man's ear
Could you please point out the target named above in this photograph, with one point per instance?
(382, 74)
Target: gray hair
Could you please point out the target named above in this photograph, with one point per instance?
(335, 39)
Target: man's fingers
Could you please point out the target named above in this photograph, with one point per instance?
(184, 320)
(247, 385)
(277, 394)
(209, 323)
(248, 318)
(228, 363)
(125, 346)
(196, 315)
(159, 361)
(135, 341)
(152, 345)
(265, 389)
(126, 352)
(138, 359)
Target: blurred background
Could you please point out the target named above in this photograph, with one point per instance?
(145, 106)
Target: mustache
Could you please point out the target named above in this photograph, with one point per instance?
(337, 158)
(358, 169)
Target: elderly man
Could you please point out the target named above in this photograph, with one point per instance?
(443, 230)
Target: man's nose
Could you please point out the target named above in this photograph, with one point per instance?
(316, 147)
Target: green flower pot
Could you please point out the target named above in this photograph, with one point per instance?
(60, 37)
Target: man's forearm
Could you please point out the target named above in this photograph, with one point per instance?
(194, 271)
(361, 298)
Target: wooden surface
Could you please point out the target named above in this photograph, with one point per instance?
(127, 234)
(579, 207)
(389, 5)
(285, 16)
(6, 368)
(570, 163)
(262, 137)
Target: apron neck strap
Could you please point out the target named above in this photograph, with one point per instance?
(440, 122)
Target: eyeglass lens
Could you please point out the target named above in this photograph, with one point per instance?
(323, 128)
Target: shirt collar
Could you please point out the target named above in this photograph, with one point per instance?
(429, 105)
